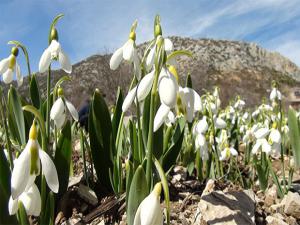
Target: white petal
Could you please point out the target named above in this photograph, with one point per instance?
(223, 155)
(32, 201)
(256, 147)
(45, 61)
(129, 99)
(167, 89)
(137, 217)
(4, 63)
(275, 136)
(187, 97)
(49, 170)
(261, 133)
(116, 59)
(150, 57)
(200, 141)
(168, 45)
(266, 147)
(136, 65)
(72, 110)
(19, 75)
(8, 76)
(12, 206)
(150, 210)
(170, 119)
(60, 120)
(160, 116)
(233, 151)
(145, 86)
(57, 109)
(20, 172)
(64, 61)
(202, 125)
(197, 101)
(128, 50)
(220, 123)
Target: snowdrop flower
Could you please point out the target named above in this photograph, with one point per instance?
(219, 123)
(10, 65)
(168, 45)
(128, 52)
(54, 52)
(275, 94)
(31, 200)
(275, 139)
(201, 144)
(149, 211)
(227, 152)
(261, 141)
(59, 109)
(27, 167)
(201, 126)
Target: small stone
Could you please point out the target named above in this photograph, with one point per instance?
(210, 185)
(291, 220)
(101, 223)
(87, 194)
(271, 195)
(292, 205)
(277, 208)
(271, 220)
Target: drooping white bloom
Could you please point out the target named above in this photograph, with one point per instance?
(201, 144)
(219, 123)
(31, 200)
(27, 167)
(261, 142)
(275, 140)
(191, 102)
(201, 126)
(239, 104)
(54, 52)
(149, 211)
(151, 56)
(127, 52)
(59, 110)
(275, 94)
(8, 67)
(227, 152)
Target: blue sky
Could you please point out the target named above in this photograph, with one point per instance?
(100, 26)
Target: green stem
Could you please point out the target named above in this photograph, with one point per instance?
(150, 132)
(48, 104)
(83, 155)
(8, 143)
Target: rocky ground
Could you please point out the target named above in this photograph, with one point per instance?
(192, 203)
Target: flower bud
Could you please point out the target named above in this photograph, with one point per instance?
(173, 71)
(60, 92)
(33, 132)
(15, 51)
(157, 30)
(12, 62)
(132, 36)
(54, 34)
(157, 189)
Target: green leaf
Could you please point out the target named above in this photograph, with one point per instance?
(138, 191)
(63, 156)
(146, 115)
(164, 182)
(179, 53)
(5, 219)
(263, 174)
(134, 148)
(170, 156)
(100, 131)
(37, 115)
(294, 135)
(117, 113)
(189, 82)
(16, 117)
(48, 217)
(34, 92)
(23, 219)
(158, 142)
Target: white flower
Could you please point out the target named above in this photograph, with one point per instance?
(201, 144)
(58, 111)
(201, 126)
(239, 104)
(31, 200)
(54, 52)
(263, 144)
(27, 167)
(8, 66)
(151, 56)
(275, 94)
(191, 102)
(275, 140)
(227, 152)
(129, 53)
(149, 211)
(261, 133)
(219, 123)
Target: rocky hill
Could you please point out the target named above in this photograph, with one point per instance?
(238, 68)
